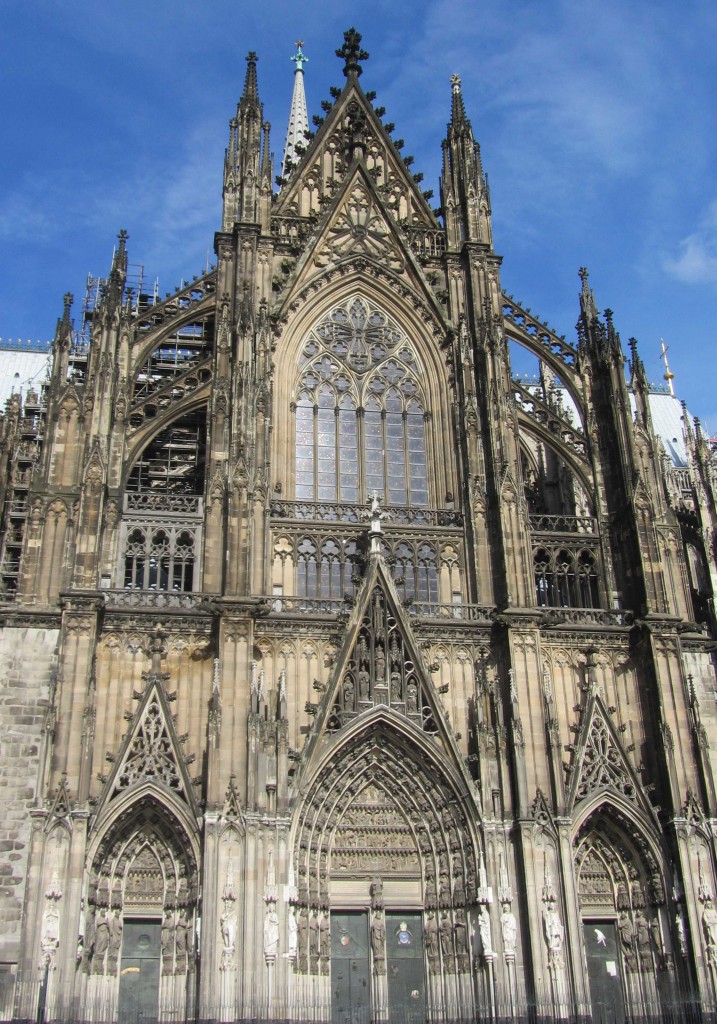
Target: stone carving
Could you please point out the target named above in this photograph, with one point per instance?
(508, 928)
(292, 934)
(50, 935)
(102, 941)
(484, 931)
(709, 927)
(554, 934)
(378, 942)
(431, 940)
(271, 933)
(603, 763)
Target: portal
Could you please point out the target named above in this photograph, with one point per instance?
(139, 973)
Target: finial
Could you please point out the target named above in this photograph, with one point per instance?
(583, 272)
(299, 59)
(68, 298)
(456, 82)
(352, 53)
(668, 375)
(122, 238)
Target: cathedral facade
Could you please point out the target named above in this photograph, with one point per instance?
(348, 677)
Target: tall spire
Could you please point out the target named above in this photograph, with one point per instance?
(298, 117)
(246, 176)
(464, 188)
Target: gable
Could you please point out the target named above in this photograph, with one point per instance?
(353, 127)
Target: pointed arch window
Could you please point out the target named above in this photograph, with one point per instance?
(360, 412)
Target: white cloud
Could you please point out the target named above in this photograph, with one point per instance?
(696, 261)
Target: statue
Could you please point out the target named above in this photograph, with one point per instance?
(461, 932)
(431, 937)
(228, 924)
(509, 928)
(271, 932)
(115, 937)
(709, 924)
(484, 930)
(102, 934)
(324, 936)
(446, 936)
(167, 937)
(180, 934)
(554, 934)
(412, 698)
(378, 943)
(293, 933)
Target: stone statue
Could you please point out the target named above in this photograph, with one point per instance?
(709, 924)
(484, 930)
(292, 933)
(102, 934)
(228, 923)
(271, 932)
(461, 933)
(378, 942)
(446, 936)
(180, 934)
(509, 928)
(554, 934)
(167, 938)
(431, 936)
(324, 936)
(412, 698)
(115, 928)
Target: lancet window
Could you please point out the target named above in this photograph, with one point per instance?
(160, 536)
(360, 411)
(566, 578)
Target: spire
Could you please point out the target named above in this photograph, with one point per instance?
(587, 298)
(251, 89)
(352, 53)
(458, 110)
(244, 168)
(464, 188)
(298, 117)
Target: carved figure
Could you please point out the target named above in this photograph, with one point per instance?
(102, 934)
(378, 943)
(509, 928)
(324, 936)
(180, 934)
(431, 936)
(484, 930)
(271, 932)
(348, 693)
(412, 698)
(363, 681)
(446, 937)
(461, 933)
(167, 937)
(228, 923)
(395, 686)
(292, 934)
(709, 924)
(50, 939)
(554, 934)
(115, 930)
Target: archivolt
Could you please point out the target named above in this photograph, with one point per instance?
(418, 789)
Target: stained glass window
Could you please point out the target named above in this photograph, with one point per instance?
(360, 411)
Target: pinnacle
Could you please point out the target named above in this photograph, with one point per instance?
(251, 90)
(352, 53)
(458, 110)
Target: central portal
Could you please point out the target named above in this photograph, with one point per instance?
(350, 969)
(139, 973)
(352, 986)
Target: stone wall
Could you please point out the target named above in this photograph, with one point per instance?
(26, 658)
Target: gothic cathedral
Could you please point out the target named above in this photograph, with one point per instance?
(345, 675)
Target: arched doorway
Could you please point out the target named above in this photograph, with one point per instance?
(386, 868)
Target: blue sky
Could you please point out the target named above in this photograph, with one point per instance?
(596, 122)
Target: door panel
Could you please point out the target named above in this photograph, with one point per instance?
(404, 967)
(139, 973)
(604, 971)
(350, 973)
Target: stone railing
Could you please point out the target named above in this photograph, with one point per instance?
(587, 617)
(335, 512)
(161, 599)
(146, 503)
(540, 523)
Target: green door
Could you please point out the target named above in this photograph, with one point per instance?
(404, 967)
(604, 972)
(350, 974)
(139, 972)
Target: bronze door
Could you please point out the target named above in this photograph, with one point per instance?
(350, 973)
(139, 973)
(604, 971)
(405, 970)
